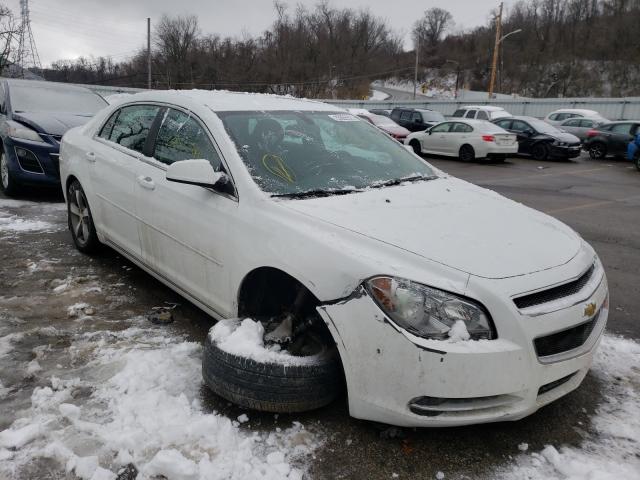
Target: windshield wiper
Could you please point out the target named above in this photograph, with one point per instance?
(319, 192)
(398, 181)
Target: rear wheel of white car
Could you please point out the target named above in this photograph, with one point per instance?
(467, 153)
(7, 183)
(312, 382)
(540, 151)
(80, 219)
(415, 144)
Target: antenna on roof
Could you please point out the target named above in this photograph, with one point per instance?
(27, 57)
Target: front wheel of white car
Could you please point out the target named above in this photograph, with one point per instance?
(415, 144)
(80, 220)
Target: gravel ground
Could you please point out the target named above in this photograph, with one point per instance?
(88, 386)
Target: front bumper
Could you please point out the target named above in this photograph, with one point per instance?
(40, 166)
(396, 378)
(571, 151)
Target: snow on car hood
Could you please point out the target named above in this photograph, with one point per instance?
(52, 123)
(452, 222)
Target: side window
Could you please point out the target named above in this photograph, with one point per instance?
(519, 126)
(461, 128)
(554, 117)
(586, 123)
(506, 124)
(572, 123)
(459, 113)
(405, 115)
(107, 128)
(471, 114)
(132, 126)
(416, 117)
(482, 115)
(181, 137)
(442, 128)
(621, 128)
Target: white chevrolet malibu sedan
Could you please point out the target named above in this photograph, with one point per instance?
(439, 303)
(465, 139)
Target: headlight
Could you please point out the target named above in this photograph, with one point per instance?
(560, 144)
(428, 312)
(21, 132)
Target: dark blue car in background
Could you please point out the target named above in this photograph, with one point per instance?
(33, 117)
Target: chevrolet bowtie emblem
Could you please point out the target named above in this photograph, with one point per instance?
(590, 310)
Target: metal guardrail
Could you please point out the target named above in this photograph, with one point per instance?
(611, 108)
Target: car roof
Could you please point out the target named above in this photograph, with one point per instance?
(524, 118)
(576, 110)
(470, 121)
(225, 101)
(488, 108)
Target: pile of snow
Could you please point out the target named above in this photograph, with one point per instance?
(612, 451)
(245, 338)
(144, 409)
(13, 223)
(459, 332)
(378, 95)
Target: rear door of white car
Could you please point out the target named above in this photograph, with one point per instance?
(184, 229)
(113, 167)
(459, 134)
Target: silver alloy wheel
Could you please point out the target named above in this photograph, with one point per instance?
(79, 215)
(4, 171)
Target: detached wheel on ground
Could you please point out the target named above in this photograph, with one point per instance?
(467, 153)
(597, 151)
(540, 151)
(7, 182)
(80, 220)
(273, 387)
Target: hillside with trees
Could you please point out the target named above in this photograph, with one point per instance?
(564, 48)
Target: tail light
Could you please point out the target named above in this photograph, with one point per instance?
(488, 138)
(592, 133)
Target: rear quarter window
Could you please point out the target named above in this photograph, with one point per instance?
(459, 113)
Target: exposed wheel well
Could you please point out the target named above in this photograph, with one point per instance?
(268, 291)
(70, 179)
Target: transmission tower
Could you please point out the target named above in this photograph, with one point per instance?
(27, 56)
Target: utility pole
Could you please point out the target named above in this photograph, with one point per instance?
(149, 53)
(494, 63)
(27, 56)
(415, 74)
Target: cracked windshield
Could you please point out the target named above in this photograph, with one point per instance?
(291, 153)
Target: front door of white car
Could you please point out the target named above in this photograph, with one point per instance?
(113, 163)
(184, 229)
(435, 139)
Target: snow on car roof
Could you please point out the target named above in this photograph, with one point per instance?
(225, 101)
(489, 108)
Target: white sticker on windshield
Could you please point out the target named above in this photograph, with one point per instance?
(344, 117)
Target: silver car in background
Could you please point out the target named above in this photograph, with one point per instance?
(580, 126)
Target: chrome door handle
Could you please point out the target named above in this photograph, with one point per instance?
(146, 182)
(91, 156)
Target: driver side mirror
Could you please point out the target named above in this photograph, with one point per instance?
(197, 172)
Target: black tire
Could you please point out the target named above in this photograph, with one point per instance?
(540, 151)
(597, 150)
(467, 153)
(8, 184)
(272, 387)
(415, 144)
(80, 220)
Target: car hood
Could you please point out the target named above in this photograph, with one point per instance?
(398, 131)
(564, 137)
(454, 223)
(52, 123)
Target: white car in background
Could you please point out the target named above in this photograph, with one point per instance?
(344, 258)
(465, 139)
(558, 116)
(481, 112)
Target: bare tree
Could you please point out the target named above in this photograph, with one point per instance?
(430, 29)
(176, 39)
(9, 37)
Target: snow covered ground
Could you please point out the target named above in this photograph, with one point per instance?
(377, 95)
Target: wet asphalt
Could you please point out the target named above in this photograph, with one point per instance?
(599, 199)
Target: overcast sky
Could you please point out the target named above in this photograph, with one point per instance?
(73, 28)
